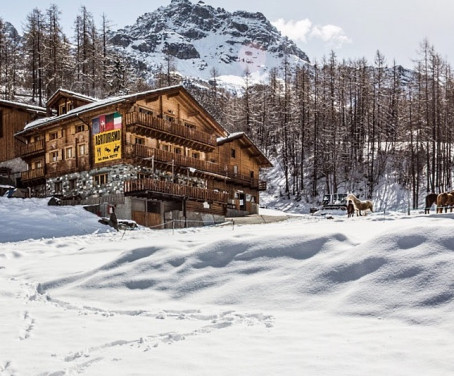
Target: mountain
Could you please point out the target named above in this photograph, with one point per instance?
(199, 38)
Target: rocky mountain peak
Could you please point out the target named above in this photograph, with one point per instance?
(200, 37)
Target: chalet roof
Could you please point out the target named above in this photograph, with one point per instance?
(230, 137)
(247, 143)
(72, 113)
(24, 106)
(114, 100)
(67, 93)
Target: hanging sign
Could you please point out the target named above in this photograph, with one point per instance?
(106, 131)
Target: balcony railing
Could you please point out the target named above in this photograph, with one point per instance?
(67, 166)
(171, 128)
(32, 174)
(166, 187)
(145, 152)
(32, 148)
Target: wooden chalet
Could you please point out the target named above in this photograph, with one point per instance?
(158, 157)
(13, 118)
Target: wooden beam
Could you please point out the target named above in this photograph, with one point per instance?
(152, 99)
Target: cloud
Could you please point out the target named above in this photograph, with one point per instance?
(331, 34)
(295, 30)
(304, 30)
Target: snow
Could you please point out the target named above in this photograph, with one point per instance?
(369, 295)
(256, 49)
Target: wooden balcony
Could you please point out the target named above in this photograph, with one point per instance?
(151, 126)
(32, 149)
(29, 175)
(67, 166)
(147, 153)
(140, 186)
(244, 179)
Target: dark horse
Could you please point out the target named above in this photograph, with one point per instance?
(431, 199)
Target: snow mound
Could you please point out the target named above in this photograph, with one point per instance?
(396, 273)
(33, 219)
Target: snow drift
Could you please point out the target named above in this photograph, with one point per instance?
(366, 295)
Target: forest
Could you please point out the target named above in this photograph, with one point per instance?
(330, 125)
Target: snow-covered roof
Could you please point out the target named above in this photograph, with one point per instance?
(89, 107)
(71, 94)
(230, 137)
(25, 106)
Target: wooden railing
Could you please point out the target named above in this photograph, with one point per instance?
(145, 152)
(172, 128)
(32, 148)
(67, 166)
(32, 174)
(173, 189)
(142, 151)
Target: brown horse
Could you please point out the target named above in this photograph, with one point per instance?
(445, 200)
(431, 199)
(360, 205)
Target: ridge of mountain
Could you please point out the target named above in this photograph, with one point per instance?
(199, 38)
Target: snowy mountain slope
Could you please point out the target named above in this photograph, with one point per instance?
(368, 295)
(200, 38)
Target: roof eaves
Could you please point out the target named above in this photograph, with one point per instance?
(23, 105)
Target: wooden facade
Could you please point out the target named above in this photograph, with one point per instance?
(13, 118)
(159, 150)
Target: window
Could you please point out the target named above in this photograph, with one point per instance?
(100, 179)
(251, 174)
(69, 153)
(189, 125)
(235, 170)
(80, 128)
(62, 109)
(53, 135)
(37, 165)
(196, 155)
(72, 184)
(145, 111)
(1, 124)
(233, 153)
(165, 147)
(53, 156)
(82, 149)
(178, 151)
(170, 119)
(140, 141)
(58, 187)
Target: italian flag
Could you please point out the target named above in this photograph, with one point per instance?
(117, 120)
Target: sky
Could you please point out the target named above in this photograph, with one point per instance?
(370, 295)
(351, 28)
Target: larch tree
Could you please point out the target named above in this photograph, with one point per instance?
(34, 36)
